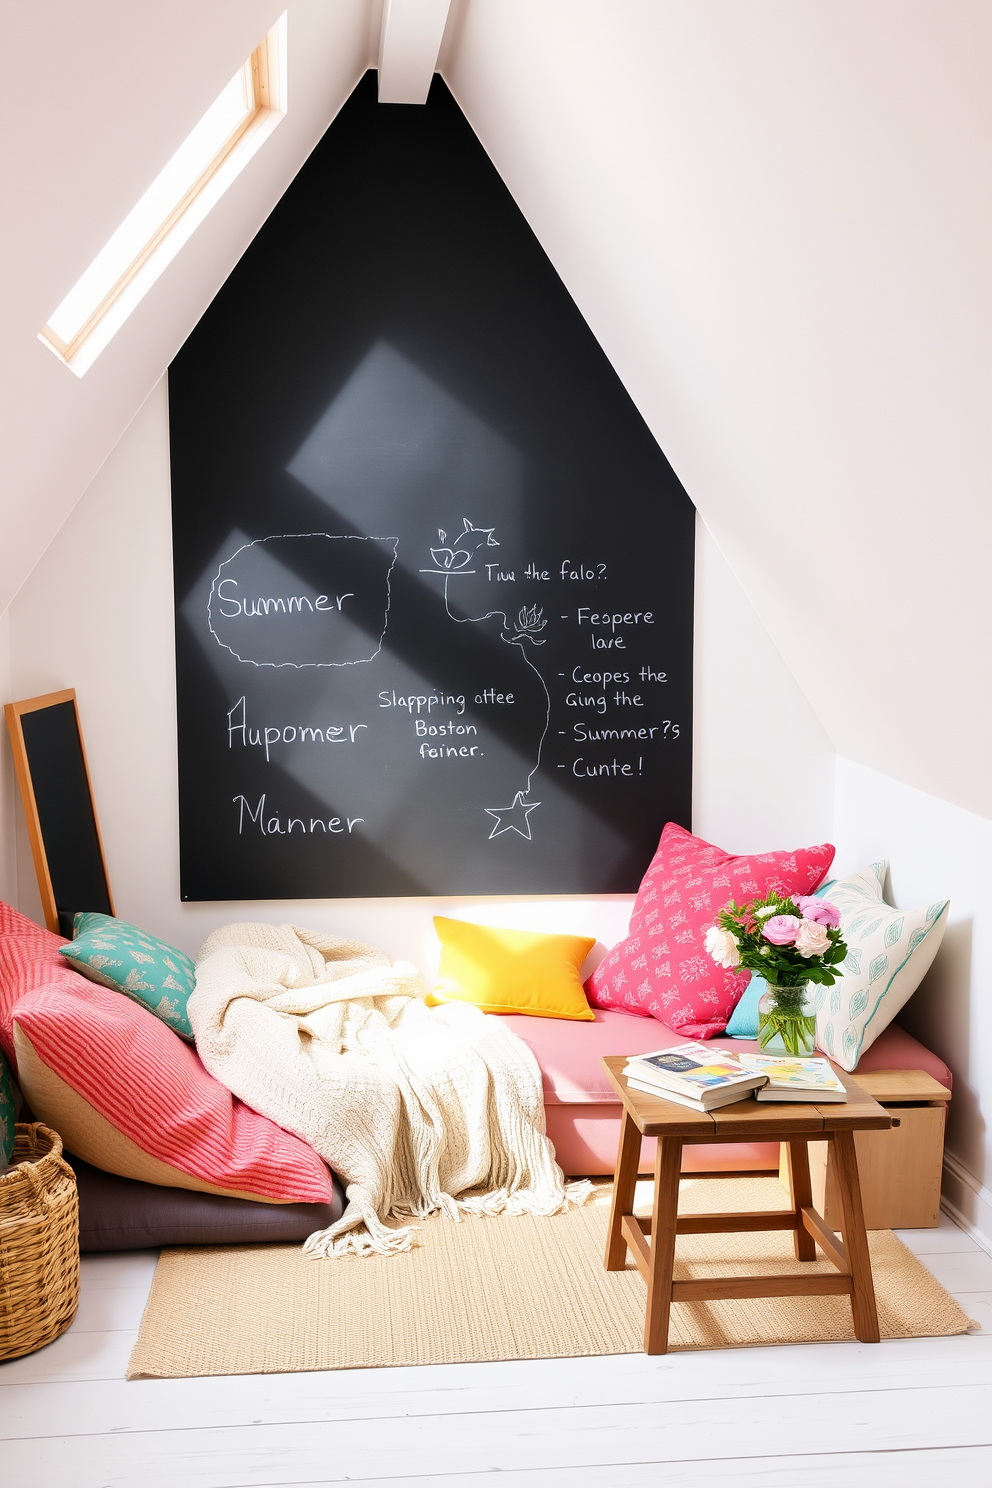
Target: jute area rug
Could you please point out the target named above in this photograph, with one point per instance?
(506, 1288)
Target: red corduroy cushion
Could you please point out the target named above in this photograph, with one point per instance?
(28, 957)
(142, 1078)
(662, 970)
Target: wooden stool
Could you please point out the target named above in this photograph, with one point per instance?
(747, 1120)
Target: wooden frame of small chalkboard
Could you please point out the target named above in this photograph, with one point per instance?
(54, 779)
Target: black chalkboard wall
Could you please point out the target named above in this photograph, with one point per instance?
(433, 573)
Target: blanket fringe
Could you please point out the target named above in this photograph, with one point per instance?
(521, 1201)
(359, 1232)
(364, 1234)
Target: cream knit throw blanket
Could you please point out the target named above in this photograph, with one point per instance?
(412, 1106)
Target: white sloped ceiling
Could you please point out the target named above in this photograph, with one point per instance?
(776, 218)
(96, 99)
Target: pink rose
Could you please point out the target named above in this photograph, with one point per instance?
(812, 939)
(781, 929)
(819, 911)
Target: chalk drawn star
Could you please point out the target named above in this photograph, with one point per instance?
(515, 818)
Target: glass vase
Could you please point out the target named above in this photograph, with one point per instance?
(787, 1021)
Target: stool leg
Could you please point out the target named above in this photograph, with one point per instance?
(624, 1181)
(802, 1198)
(855, 1238)
(664, 1226)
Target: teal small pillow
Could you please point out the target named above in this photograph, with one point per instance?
(144, 968)
(6, 1113)
(744, 1019)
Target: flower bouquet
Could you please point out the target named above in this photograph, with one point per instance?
(791, 943)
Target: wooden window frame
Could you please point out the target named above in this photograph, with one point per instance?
(268, 86)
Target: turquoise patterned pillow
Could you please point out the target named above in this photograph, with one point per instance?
(6, 1114)
(146, 969)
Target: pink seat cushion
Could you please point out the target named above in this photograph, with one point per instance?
(586, 1139)
(571, 1054)
(142, 1078)
(662, 969)
(895, 1049)
(583, 1112)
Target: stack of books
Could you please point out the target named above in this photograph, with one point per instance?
(693, 1076)
(810, 1080)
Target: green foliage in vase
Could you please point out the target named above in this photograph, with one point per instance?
(788, 941)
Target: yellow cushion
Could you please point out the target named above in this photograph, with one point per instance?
(511, 971)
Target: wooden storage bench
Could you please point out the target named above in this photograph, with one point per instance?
(900, 1169)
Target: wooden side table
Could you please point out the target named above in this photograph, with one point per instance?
(652, 1242)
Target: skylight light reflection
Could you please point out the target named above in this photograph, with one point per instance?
(212, 155)
(163, 196)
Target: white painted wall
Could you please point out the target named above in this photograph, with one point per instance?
(777, 219)
(938, 851)
(763, 765)
(97, 615)
(8, 860)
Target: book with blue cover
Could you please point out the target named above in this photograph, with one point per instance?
(705, 1078)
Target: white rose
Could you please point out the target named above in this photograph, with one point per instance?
(762, 914)
(811, 939)
(722, 947)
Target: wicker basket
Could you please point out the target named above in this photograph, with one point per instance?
(39, 1243)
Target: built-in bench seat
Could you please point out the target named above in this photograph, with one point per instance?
(583, 1113)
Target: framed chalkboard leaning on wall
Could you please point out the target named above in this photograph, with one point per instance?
(50, 764)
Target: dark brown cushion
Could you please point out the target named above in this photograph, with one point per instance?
(124, 1214)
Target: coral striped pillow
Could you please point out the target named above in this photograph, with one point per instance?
(126, 1093)
(28, 956)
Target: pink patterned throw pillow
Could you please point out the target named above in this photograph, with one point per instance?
(662, 970)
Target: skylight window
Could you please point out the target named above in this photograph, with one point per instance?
(176, 202)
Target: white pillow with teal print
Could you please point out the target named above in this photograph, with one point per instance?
(889, 951)
(129, 960)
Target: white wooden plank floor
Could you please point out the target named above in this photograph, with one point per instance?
(898, 1413)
